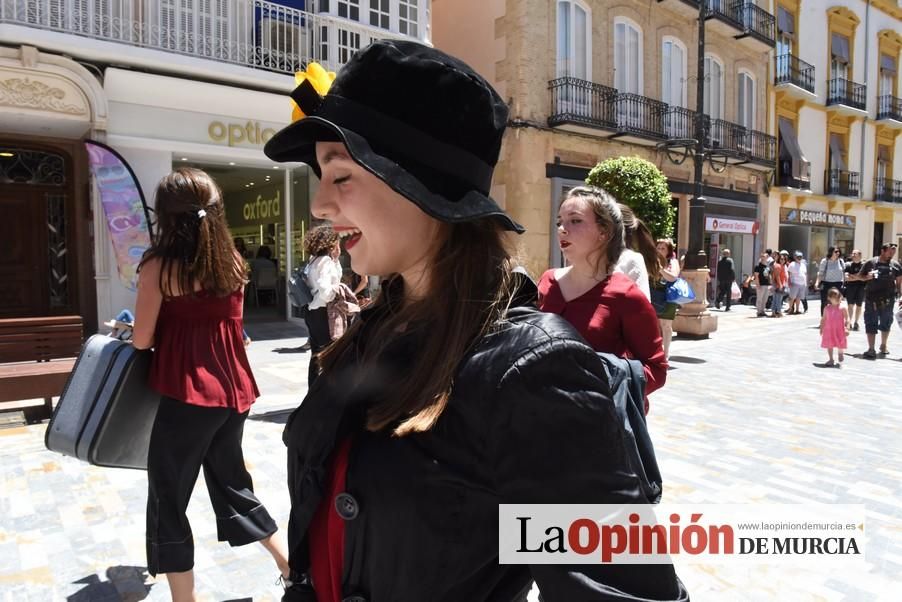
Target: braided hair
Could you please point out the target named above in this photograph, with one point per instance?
(192, 238)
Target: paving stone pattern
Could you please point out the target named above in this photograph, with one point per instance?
(746, 416)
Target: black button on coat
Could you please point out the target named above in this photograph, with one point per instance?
(530, 420)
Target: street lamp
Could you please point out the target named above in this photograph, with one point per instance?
(678, 150)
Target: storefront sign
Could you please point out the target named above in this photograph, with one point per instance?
(736, 226)
(789, 215)
(236, 134)
(261, 206)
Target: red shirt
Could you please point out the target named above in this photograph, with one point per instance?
(199, 354)
(326, 533)
(614, 317)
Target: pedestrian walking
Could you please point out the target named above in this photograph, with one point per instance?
(639, 259)
(667, 311)
(762, 283)
(854, 287)
(834, 327)
(830, 274)
(324, 277)
(447, 396)
(797, 271)
(883, 277)
(605, 306)
(726, 276)
(189, 309)
(779, 282)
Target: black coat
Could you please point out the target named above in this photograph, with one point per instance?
(530, 420)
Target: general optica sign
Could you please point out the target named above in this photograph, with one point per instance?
(736, 226)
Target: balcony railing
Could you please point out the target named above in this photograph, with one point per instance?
(679, 123)
(793, 70)
(755, 20)
(789, 178)
(888, 191)
(841, 183)
(844, 92)
(581, 102)
(728, 136)
(762, 148)
(889, 107)
(639, 115)
(252, 33)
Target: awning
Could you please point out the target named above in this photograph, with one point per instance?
(887, 63)
(789, 144)
(839, 48)
(883, 153)
(785, 21)
(837, 153)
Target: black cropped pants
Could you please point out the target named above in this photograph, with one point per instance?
(185, 438)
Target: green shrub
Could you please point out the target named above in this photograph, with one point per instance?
(641, 186)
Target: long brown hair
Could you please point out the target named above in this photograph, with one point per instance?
(608, 218)
(638, 237)
(192, 238)
(470, 288)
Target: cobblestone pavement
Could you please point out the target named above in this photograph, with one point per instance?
(746, 417)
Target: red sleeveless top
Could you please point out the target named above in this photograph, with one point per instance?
(199, 354)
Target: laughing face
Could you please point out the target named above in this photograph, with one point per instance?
(384, 233)
(580, 236)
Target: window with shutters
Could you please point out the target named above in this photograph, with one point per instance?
(713, 98)
(673, 72)
(380, 13)
(213, 28)
(408, 17)
(574, 40)
(627, 56)
(745, 96)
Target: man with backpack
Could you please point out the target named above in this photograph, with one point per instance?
(883, 276)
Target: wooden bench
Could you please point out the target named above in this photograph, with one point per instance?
(36, 357)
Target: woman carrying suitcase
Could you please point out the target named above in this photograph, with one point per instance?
(189, 309)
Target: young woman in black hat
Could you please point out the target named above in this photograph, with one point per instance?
(449, 395)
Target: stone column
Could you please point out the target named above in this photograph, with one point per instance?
(694, 319)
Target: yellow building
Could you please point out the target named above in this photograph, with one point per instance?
(588, 79)
(835, 106)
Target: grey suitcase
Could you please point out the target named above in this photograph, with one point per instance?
(106, 411)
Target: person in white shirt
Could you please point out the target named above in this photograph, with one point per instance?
(324, 279)
(639, 259)
(798, 282)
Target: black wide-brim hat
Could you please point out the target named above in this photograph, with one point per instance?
(420, 120)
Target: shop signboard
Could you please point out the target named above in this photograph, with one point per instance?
(734, 226)
(255, 206)
(807, 217)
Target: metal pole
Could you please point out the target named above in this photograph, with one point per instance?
(696, 257)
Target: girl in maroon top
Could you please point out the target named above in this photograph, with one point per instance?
(607, 308)
(189, 308)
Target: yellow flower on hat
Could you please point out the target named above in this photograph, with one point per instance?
(319, 78)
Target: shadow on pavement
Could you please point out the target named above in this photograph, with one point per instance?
(301, 349)
(276, 416)
(124, 583)
(682, 359)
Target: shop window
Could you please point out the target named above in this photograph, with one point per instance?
(408, 18)
(380, 13)
(574, 40)
(627, 56)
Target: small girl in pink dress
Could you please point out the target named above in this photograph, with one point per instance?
(834, 327)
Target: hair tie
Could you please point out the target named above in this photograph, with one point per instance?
(201, 213)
